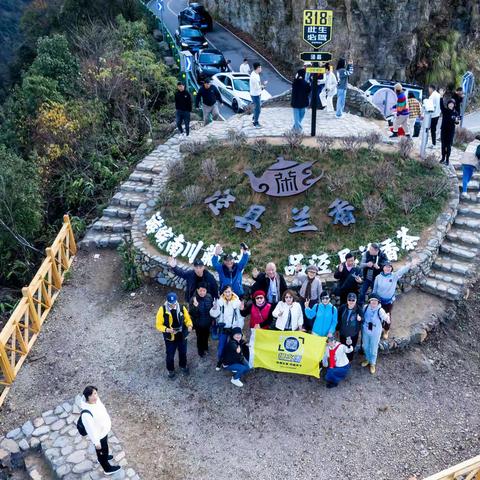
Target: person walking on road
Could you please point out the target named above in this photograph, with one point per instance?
(245, 67)
(256, 87)
(174, 321)
(300, 101)
(330, 88)
(183, 108)
(401, 112)
(450, 118)
(97, 423)
(343, 72)
(210, 97)
(470, 163)
(435, 97)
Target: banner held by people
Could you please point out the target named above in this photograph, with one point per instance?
(286, 351)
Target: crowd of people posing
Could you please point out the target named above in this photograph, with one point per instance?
(354, 315)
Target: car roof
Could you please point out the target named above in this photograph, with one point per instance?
(234, 75)
(380, 81)
(211, 50)
(184, 27)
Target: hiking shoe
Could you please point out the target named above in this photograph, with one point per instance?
(110, 457)
(394, 135)
(219, 366)
(331, 385)
(385, 335)
(171, 375)
(237, 383)
(372, 369)
(364, 363)
(186, 371)
(112, 469)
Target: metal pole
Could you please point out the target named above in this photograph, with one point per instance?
(427, 119)
(463, 107)
(314, 104)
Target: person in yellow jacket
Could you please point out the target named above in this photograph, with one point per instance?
(174, 321)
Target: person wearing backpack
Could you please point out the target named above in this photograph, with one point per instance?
(470, 163)
(373, 318)
(350, 316)
(324, 316)
(95, 422)
(336, 360)
(174, 321)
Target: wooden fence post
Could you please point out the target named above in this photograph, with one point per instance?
(6, 367)
(71, 237)
(57, 279)
(32, 310)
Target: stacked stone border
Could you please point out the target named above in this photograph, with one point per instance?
(154, 265)
(69, 455)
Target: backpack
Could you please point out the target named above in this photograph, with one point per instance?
(477, 152)
(80, 425)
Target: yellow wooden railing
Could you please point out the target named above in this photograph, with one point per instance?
(20, 332)
(469, 470)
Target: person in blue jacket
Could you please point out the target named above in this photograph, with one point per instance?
(324, 316)
(229, 271)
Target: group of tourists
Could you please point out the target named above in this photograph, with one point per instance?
(355, 314)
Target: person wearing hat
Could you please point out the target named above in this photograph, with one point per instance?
(350, 316)
(450, 119)
(260, 310)
(271, 282)
(310, 288)
(174, 321)
(336, 360)
(194, 277)
(226, 311)
(235, 357)
(324, 316)
(229, 271)
(372, 262)
(373, 318)
(199, 309)
(210, 97)
(384, 288)
(349, 278)
(288, 313)
(401, 111)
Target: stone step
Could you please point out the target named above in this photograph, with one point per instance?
(128, 199)
(142, 177)
(464, 237)
(124, 213)
(469, 198)
(441, 289)
(467, 222)
(94, 239)
(469, 210)
(136, 187)
(146, 165)
(112, 225)
(459, 251)
(459, 172)
(472, 185)
(455, 280)
(445, 263)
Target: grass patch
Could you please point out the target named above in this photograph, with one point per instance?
(409, 194)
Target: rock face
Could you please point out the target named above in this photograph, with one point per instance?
(385, 39)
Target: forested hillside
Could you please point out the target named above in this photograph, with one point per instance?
(93, 94)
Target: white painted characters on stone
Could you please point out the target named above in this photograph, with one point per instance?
(192, 250)
(390, 249)
(322, 262)
(407, 242)
(207, 255)
(341, 254)
(176, 245)
(163, 235)
(154, 223)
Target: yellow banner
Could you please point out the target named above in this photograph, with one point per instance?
(289, 352)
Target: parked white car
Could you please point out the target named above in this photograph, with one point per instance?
(235, 90)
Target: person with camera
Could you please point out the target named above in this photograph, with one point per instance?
(288, 313)
(372, 262)
(450, 119)
(235, 357)
(260, 310)
(374, 316)
(349, 278)
(229, 271)
(271, 282)
(226, 311)
(324, 316)
(199, 310)
(174, 321)
(350, 317)
(336, 360)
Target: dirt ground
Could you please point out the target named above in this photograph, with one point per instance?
(419, 414)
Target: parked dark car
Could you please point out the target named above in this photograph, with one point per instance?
(196, 15)
(190, 38)
(208, 62)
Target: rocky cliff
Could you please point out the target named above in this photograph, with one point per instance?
(386, 39)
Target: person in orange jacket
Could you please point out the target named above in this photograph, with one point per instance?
(174, 321)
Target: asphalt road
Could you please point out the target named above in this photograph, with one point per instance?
(233, 49)
(472, 121)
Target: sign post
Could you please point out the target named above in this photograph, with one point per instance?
(317, 31)
(468, 83)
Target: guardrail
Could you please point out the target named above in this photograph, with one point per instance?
(469, 470)
(23, 327)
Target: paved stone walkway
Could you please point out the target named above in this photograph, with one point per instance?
(117, 218)
(67, 454)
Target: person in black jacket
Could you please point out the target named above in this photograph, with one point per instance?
(458, 98)
(194, 278)
(235, 357)
(199, 310)
(350, 317)
(450, 118)
(349, 278)
(300, 100)
(372, 263)
(210, 97)
(183, 107)
(271, 282)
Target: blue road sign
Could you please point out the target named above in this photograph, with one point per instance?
(156, 7)
(188, 63)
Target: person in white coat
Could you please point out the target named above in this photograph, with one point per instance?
(97, 423)
(330, 88)
(288, 313)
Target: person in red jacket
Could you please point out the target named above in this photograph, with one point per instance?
(260, 310)
(401, 112)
